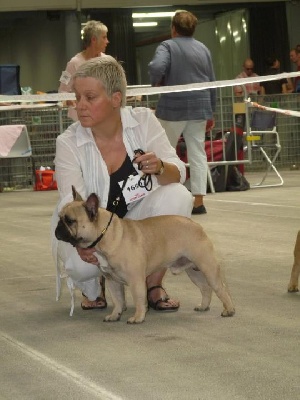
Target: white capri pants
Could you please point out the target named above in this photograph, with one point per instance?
(194, 136)
(172, 199)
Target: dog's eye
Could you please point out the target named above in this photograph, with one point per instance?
(68, 220)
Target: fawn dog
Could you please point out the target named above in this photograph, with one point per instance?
(136, 249)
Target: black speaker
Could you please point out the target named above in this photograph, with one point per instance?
(10, 79)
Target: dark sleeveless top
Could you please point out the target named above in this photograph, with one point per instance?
(115, 190)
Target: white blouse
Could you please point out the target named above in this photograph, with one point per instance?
(78, 162)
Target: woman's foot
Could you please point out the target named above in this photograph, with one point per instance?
(98, 304)
(199, 210)
(199, 207)
(158, 299)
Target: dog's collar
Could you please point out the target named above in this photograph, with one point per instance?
(95, 242)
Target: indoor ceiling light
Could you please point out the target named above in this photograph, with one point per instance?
(153, 15)
(139, 24)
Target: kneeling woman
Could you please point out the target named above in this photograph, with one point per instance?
(98, 153)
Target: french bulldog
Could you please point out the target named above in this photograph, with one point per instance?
(136, 249)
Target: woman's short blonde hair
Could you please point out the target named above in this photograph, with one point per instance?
(108, 71)
(92, 28)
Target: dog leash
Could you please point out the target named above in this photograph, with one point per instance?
(115, 204)
(145, 180)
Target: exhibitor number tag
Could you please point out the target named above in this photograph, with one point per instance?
(132, 190)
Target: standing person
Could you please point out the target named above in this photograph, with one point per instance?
(248, 72)
(111, 144)
(179, 61)
(94, 43)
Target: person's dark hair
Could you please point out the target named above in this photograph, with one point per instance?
(184, 23)
(271, 60)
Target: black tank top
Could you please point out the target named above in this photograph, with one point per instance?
(115, 190)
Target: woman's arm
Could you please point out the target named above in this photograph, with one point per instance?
(67, 170)
(159, 64)
(158, 148)
(165, 172)
(65, 79)
(290, 86)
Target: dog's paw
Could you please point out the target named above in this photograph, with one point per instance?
(228, 313)
(201, 309)
(112, 317)
(293, 289)
(134, 320)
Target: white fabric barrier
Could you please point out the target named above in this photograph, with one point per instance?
(292, 113)
(147, 91)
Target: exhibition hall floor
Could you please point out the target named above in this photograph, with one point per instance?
(47, 355)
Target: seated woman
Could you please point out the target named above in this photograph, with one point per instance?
(98, 154)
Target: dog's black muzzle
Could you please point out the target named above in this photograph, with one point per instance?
(62, 233)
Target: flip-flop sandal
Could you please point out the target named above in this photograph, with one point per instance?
(101, 304)
(158, 305)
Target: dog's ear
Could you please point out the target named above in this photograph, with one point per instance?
(76, 195)
(91, 206)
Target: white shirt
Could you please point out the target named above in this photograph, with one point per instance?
(78, 161)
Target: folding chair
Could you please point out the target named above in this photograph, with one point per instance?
(262, 135)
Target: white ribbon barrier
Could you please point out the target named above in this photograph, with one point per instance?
(28, 106)
(278, 110)
(146, 91)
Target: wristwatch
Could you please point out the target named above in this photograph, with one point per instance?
(161, 170)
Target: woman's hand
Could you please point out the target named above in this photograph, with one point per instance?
(87, 255)
(148, 162)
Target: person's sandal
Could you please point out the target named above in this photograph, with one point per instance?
(100, 304)
(162, 304)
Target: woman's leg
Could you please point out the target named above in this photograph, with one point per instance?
(173, 130)
(172, 199)
(86, 277)
(194, 136)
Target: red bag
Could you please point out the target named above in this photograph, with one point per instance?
(45, 180)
